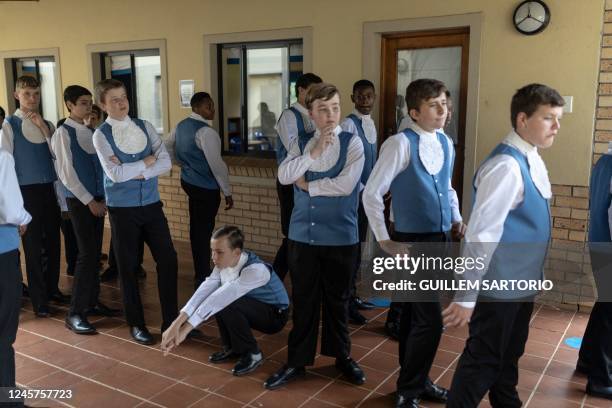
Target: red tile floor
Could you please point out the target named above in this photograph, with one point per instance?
(111, 371)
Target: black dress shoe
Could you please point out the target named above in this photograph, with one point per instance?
(60, 298)
(363, 304)
(283, 376)
(42, 311)
(223, 356)
(101, 309)
(392, 330)
(142, 335)
(247, 364)
(79, 325)
(434, 392)
(355, 317)
(404, 401)
(351, 370)
(109, 274)
(599, 391)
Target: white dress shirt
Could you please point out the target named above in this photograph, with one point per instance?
(500, 190)
(130, 139)
(287, 125)
(30, 131)
(11, 202)
(223, 287)
(60, 144)
(207, 139)
(393, 158)
(297, 164)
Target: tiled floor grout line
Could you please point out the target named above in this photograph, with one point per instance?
(121, 363)
(549, 360)
(373, 391)
(150, 399)
(24, 386)
(86, 378)
(584, 398)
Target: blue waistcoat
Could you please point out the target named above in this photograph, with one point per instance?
(273, 292)
(9, 238)
(325, 220)
(194, 166)
(523, 245)
(281, 151)
(369, 149)
(33, 161)
(86, 165)
(600, 198)
(420, 200)
(131, 193)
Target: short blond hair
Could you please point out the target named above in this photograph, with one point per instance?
(106, 85)
(322, 91)
(26, 81)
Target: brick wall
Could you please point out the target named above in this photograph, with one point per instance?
(256, 209)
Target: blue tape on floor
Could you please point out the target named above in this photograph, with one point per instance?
(380, 302)
(573, 342)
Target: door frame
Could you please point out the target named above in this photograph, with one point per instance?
(371, 68)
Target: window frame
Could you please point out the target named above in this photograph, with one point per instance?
(244, 95)
(8, 58)
(96, 52)
(213, 67)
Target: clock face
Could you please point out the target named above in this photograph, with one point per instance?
(531, 17)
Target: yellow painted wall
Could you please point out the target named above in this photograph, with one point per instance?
(564, 56)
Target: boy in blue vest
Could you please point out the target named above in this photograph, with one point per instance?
(132, 156)
(595, 358)
(243, 293)
(81, 174)
(293, 123)
(511, 209)
(325, 167)
(416, 166)
(360, 123)
(197, 148)
(13, 222)
(26, 135)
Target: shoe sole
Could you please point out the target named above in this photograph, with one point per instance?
(260, 362)
(225, 360)
(599, 394)
(72, 329)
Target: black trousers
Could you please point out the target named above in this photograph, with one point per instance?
(43, 234)
(362, 224)
(489, 362)
(203, 208)
(10, 302)
(420, 329)
(88, 230)
(112, 259)
(129, 226)
(596, 348)
(71, 250)
(320, 275)
(237, 320)
(285, 199)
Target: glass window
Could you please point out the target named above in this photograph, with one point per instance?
(257, 82)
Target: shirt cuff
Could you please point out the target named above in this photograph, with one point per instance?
(468, 305)
(188, 310)
(380, 232)
(195, 320)
(456, 216)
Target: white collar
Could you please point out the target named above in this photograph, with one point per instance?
(73, 123)
(119, 122)
(301, 108)
(19, 113)
(361, 115)
(231, 273)
(422, 132)
(521, 144)
(196, 116)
